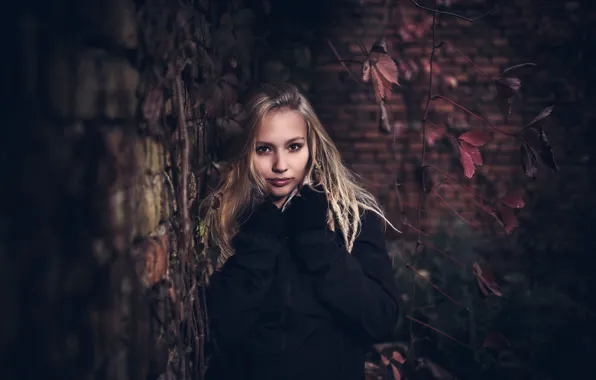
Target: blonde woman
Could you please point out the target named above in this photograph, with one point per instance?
(304, 284)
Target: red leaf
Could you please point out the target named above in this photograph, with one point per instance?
(467, 162)
(495, 340)
(509, 219)
(381, 87)
(475, 138)
(387, 68)
(514, 199)
(485, 278)
(473, 152)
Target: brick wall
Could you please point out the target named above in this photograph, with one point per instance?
(348, 109)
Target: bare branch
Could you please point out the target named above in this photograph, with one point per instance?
(341, 61)
(435, 11)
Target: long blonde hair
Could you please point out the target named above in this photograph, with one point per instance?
(241, 189)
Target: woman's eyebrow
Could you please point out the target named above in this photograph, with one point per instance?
(294, 139)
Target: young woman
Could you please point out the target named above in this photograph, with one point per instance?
(304, 284)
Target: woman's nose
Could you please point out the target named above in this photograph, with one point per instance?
(279, 165)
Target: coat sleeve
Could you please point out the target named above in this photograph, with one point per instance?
(236, 291)
(359, 287)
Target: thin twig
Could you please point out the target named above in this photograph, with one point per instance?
(440, 332)
(434, 285)
(341, 61)
(473, 64)
(452, 179)
(473, 114)
(453, 210)
(444, 253)
(435, 11)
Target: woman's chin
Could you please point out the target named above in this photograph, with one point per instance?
(280, 192)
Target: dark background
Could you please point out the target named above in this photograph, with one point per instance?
(73, 87)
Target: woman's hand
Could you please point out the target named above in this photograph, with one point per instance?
(308, 211)
(264, 219)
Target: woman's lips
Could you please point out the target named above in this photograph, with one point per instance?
(279, 182)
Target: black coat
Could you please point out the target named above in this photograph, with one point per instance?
(300, 307)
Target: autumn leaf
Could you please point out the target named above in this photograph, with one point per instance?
(473, 151)
(537, 144)
(384, 123)
(535, 123)
(514, 67)
(486, 281)
(475, 138)
(506, 89)
(514, 199)
(495, 340)
(503, 215)
(381, 68)
(467, 162)
(366, 71)
(546, 152)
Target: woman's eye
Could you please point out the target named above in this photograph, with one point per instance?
(262, 149)
(295, 146)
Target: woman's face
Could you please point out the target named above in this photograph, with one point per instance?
(281, 153)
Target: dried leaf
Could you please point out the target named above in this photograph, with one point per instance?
(496, 341)
(514, 199)
(467, 162)
(366, 71)
(517, 67)
(507, 87)
(486, 278)
(380, 46)
(546, 152)
(384, 124)
(387, 68)
(475, 138)
(528, 160)
(544, 113)
(382, 93)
